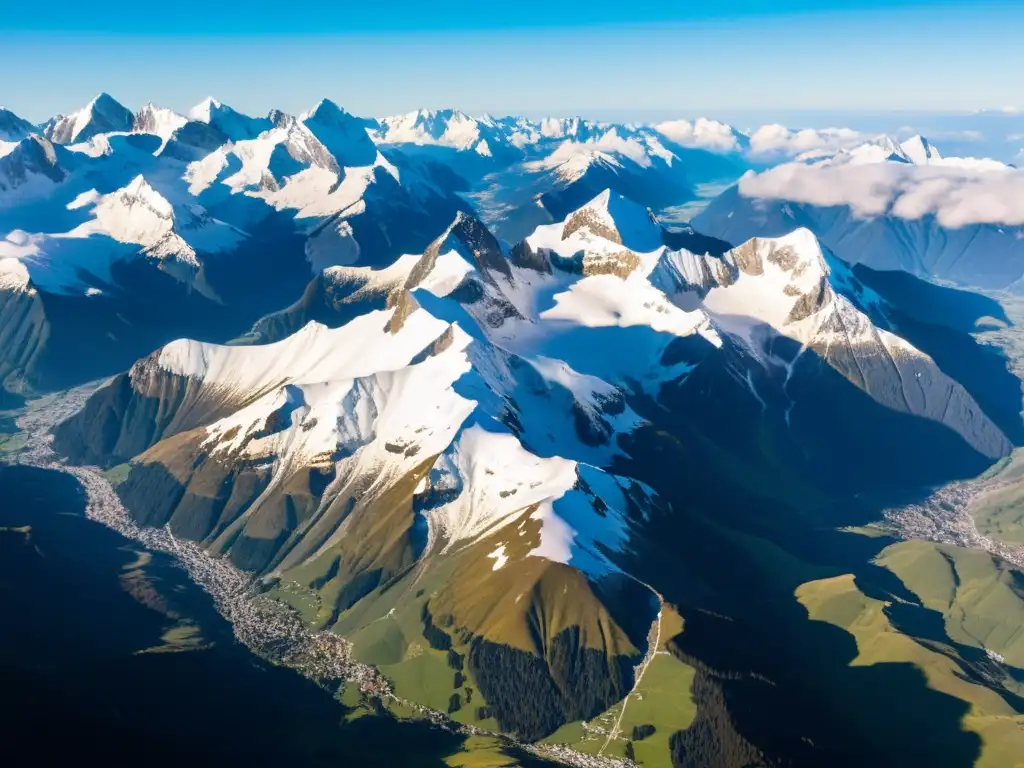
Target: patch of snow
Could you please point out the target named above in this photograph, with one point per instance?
(499, 557)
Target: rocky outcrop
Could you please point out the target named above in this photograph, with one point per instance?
(101, 115)
(983, 255)
(586, 219)
(34, 157)
(23, 333)
(135, 411)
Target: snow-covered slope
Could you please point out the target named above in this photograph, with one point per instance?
(891, 207)
(919, 150)
(231, 123)
(789, 287)
(12, 127)
(30, 168)
(345, 136)
(139, 221)
(446, 127)
(101, 115)
(159, 121)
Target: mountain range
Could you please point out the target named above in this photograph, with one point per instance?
(894, 207)
(467, 392)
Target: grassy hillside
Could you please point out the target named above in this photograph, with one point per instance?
(838, 601)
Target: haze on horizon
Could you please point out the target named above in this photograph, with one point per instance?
(619, 61)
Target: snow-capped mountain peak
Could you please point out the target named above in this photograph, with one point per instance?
(136, 214)
(468, 237)
(233, 124)
(769, 282)
(205, 110)
(790, 287)
(444, 127)
(12, 127)
(134, 221)
(29, 166)
(103, 114)
(325, 110)
(344, 135)
(919, 150)
(618, 219)
(160, 121)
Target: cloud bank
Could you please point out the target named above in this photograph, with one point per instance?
(779, 141)
(956, 196)
(701, 133)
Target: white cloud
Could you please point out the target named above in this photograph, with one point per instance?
(702, 133)
(957, 195)
(778, 140)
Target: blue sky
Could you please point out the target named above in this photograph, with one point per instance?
(600, 59)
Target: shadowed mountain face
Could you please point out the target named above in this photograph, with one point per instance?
(940, 320)
(137, 659)
(982, 255)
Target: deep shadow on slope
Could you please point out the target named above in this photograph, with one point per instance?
(90, 337)
(812, 424)
(771, 682)
(564, 198)
(757, 504)
(926, 302)
(939, 321)
(75, 616)
(96, 336)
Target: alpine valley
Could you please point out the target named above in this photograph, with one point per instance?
(590, 443)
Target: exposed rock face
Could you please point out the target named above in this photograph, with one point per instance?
(134, 412)
(404, 304)
(332, 298)
(343, 135)
(194, 140)
(158, 121)
(621, 264)
(808, 303)
(469, 238)
(748, 258)
(589, 220)
(34, 156)
(102, 115)
(983, 255)
(523, 255)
